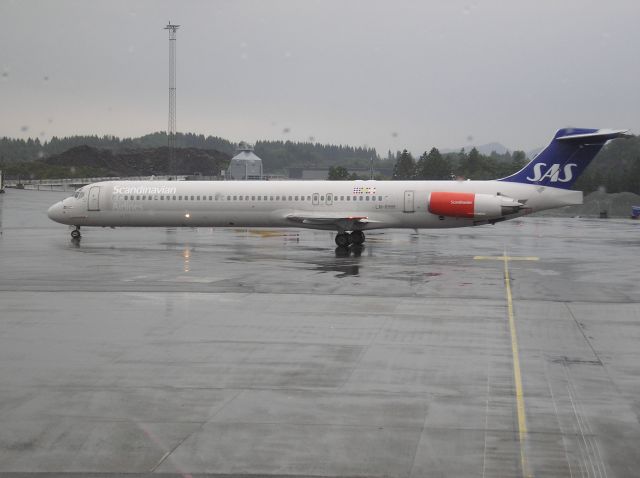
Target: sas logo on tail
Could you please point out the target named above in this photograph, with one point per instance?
(553, 173)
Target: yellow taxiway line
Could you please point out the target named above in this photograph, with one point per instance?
(517, 373)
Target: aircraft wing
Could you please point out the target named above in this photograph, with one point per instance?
(346, 223)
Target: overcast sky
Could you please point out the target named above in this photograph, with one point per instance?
(389, 74)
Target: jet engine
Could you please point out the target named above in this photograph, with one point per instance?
(472, 205)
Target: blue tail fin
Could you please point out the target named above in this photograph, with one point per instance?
(566, 157)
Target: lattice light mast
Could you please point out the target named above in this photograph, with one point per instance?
(171, 132)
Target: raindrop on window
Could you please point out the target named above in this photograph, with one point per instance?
(24, 128)
(286, 130)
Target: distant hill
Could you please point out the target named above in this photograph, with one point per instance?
(85, 161)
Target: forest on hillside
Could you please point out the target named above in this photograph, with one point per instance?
(277, 156)
(616, 168)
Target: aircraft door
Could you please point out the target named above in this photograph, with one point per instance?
(408, 201)
(94, 198)
(329, 199)
(316, 199)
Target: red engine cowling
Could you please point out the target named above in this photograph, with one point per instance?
(471, 205)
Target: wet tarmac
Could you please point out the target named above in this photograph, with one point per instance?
(196, 352)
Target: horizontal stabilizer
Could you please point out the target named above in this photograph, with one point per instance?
(597, 136)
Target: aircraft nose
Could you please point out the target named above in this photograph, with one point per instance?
(55, 212)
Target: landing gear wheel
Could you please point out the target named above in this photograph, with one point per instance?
(343, 240)
(76, 233)
(357, 238)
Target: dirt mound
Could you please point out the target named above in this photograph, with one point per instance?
(142, 162)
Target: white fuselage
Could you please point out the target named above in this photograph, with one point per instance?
(384, 204)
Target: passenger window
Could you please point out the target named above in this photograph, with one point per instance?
(379, 198)
(137, 197)
(126, 198)
(296, 198)
(290, 199)
(235, 198)
(360, 198)
(367, 198)
(341, 198)
(373, 198)
(277, 198)
(321, 198)
(308, 198)
(348, 198)
(162, 198)
(253, 198)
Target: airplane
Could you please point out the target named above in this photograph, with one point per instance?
(348, 207)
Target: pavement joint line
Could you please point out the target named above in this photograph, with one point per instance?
(517, 373)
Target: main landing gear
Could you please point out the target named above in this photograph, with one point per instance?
(75, 234)
(344, 239)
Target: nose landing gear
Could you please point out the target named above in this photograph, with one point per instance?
(75, 234)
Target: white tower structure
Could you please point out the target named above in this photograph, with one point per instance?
(245, 164)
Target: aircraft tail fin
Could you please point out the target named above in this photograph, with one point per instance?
(561, 163)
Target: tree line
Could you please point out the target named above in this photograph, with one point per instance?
(434, 165)
(616, 168)
(15, 150)
(276, 155)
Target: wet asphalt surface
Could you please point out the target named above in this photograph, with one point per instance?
(192, 352)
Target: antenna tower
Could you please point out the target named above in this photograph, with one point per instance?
(171, 132)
